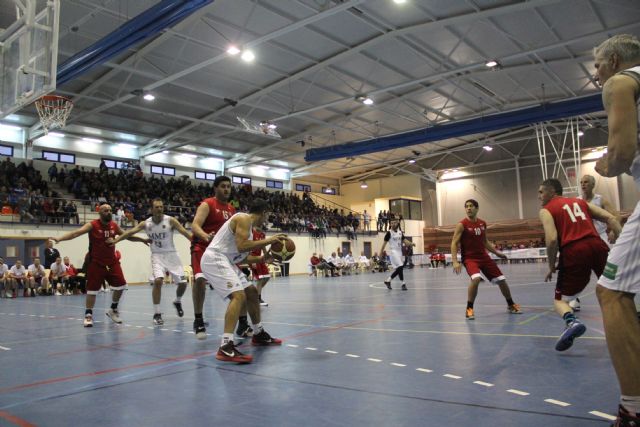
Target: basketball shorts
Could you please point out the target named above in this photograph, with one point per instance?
(622, 271)
(577, 260)
(167, 262)
(396, 259)
(483, 268)
(196, 255)
(222, 274)
(97, 274)
(260, 271)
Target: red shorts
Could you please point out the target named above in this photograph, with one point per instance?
(577, 260)
(486, 266)
(196, 256)
(260, 271)
(97, 274)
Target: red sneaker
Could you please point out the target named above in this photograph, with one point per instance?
(229, 353)
(263, 338)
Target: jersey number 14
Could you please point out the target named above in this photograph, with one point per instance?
(574, 213)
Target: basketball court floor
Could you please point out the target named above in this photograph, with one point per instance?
(354, 354)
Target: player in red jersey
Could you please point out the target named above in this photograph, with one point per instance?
(568, 229)
(470, 235)
(260, 271)
(103, 264)
(210, 215)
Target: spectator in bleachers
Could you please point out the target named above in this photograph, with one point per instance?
(53, 173)
(18, 277)
(366, 222)
(4, 278)
(38, 281)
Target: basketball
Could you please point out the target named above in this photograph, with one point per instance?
(282, 252)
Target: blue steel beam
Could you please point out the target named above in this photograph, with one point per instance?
(147, 24)
(509, 119)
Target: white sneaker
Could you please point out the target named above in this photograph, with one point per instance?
(68, 292)
(107, 289)
(88, 321)
(575, 304)
(113, 315)
(58, 293)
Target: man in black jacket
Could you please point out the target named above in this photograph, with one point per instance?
(50, 254)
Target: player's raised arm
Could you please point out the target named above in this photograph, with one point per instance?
(73, 234)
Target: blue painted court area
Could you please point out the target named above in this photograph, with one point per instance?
(354, 354)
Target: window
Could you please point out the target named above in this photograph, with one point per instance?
(274, 184)
(6, 150)
(409, 209)
(115, 164)
(163, 170)
(303, 187)
(54, 156)
(329, 190)
(240, 180)
(208, 176)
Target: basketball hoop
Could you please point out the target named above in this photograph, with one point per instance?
(53, 111)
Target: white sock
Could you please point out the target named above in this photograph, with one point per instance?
(156, 308)
(226, 338)
(178, 299)
(257, 328)
(631, 403)
(388, 279)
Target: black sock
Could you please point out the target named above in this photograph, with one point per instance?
(243, 320)
(469, 304)
(568, 317)
(114, 306)
(509, 302)
(88, 311)
(199, 316)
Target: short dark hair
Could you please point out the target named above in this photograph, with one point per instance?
(258, 206)
(157, 199)
(554, 184)
(220, 179)
(473, 202)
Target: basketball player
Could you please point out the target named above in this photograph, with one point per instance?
(395, 239)
(230, 245)
(164, 256)
(587, 184)
(470, 235)
(260, 271)
(617, 62)
(210, 215)
(103, 264)
(569, 228)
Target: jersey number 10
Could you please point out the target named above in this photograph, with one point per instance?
(575, 213)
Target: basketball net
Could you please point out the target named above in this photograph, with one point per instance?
(54, 111)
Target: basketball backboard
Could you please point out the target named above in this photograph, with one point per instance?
(28, 51)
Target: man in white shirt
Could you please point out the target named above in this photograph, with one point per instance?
(18, 276)
(60, 277)
(37, 277)
(334, 262)
(364, 263)
(349, 262)
(4, 282)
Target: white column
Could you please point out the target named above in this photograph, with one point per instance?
(519, 185)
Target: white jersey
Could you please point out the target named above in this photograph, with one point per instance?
(161, 235)
(224, 242)
(58, 270)
(36, 272)
(3, 270)
(601, 227)
(634, 72)
(18, 272)
(394, 240)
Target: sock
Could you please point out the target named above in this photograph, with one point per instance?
(198, 316)
(389, 279)
(257, 328)
(469, 304)
(114, 306)
(88, 311)
(631, 404)
(156, 308)
(243, 320)
(178, 299)
(226, 338)
(509, 301)
(568, 317)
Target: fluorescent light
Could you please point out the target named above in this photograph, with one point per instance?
(412, 161)
(367, 101)
(492, 63)
(488, 148)
(149, 97)
(233, 50)
(580, 133)
(123, 145)
(56, 134)
(399, 1)
(165, 152)
(248, 56)
(13, 118)
(193, 156)
(94, 140)
(9, 127)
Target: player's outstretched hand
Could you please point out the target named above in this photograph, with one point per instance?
(612, 237)
(549, 275)
(278, 237)
(54, 240)
(501, 255)
(147, 242)
(457, 267)
(110, 241)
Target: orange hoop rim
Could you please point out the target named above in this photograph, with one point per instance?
(55, 98)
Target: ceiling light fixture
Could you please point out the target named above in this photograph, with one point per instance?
(491, 64)
(56, 134)
(399, 1)
(125, 145)
(364, 184)
(165, 152)
(487, 148)
(248, 56)
(94, 140)
(364, 99)
(411, 161)
(148, 97)
(233, 50)
(580, 133)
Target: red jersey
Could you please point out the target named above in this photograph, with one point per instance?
(219, 213)
(257, 235)
(99, 251)
(472, 240)
(572, 219)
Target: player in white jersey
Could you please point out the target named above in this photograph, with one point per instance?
(395, 239)
(4, 281)
(617, 62)
(164, 257)
(231, 245)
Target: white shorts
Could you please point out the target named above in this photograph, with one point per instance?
(167, 262)
(397, 260)
(224, 276)
(622, 272)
